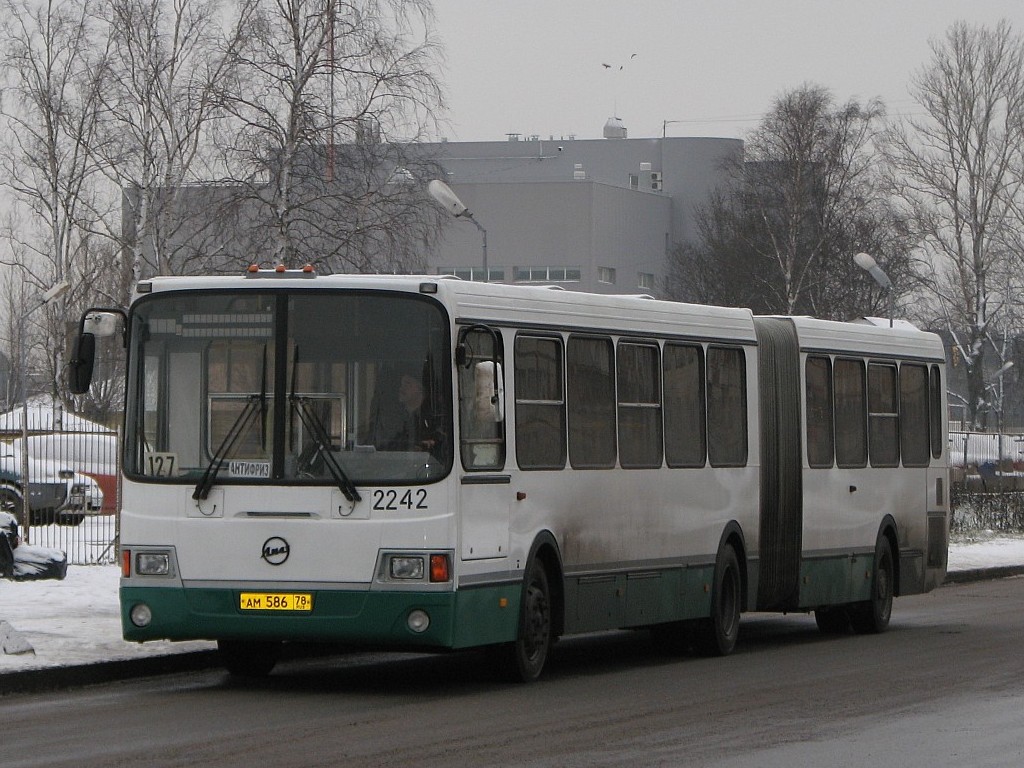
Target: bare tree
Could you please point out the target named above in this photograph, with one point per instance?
(163, 58)
(51, 113)
(802, 200)
(327, 98)
(959, 172)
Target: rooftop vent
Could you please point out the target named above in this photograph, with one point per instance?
(614, 129)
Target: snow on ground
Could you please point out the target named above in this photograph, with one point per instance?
(77, 621)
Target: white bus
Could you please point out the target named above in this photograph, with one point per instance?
(418, 462)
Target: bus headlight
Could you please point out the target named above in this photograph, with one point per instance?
(406, 567)
(152, 563)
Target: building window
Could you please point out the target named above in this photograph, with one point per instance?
(606, 275)
(634, 181)
(495, 274)
(547, 274)
(645, 281)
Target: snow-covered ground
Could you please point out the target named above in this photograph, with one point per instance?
(76, 621)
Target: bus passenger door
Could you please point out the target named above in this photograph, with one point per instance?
(485, 486)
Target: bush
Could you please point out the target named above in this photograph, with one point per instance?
(975, 510)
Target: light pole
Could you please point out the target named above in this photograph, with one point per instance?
(42, 300)
(869, 265)
(448, 200)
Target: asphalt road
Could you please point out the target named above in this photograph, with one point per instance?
(942, 687)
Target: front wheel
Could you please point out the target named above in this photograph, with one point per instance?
(872, 616)
(717, 634)
(523, 660)
(249, 658)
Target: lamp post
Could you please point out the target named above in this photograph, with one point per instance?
(448, 200)
(869, 265)
(42, 300)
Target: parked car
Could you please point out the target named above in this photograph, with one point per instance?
(56, 495)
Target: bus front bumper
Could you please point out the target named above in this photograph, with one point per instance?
(382, 619)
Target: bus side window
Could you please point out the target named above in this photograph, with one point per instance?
(936, 417)
(639, 377)
(685, 414)
(482, 441)
(727, 407)
(914, 443)
(851, 414)
(820, 427)
(540, 403)
(590, 386)
(883, 416)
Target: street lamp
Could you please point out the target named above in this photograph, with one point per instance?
(448, 200)
(869, 265)
(44, 299)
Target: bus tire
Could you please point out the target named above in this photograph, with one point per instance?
(716, 635)
(249, 658)
(872, 616)
(522, 661)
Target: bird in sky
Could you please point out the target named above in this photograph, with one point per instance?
(621, 66)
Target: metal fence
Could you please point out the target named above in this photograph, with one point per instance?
(73, 487)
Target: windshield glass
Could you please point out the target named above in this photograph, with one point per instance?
(294, 387)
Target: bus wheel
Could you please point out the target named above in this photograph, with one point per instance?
(872, 616)
(249, 658)
(523, 660)
(717, 634)
(834, 620)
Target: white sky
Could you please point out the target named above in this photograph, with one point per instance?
(534, 66)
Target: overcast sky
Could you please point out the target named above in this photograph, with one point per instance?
(713, 67)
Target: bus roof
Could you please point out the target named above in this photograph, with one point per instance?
(869, 338)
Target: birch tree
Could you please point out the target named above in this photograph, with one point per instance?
(324, 96)
(958, 170)
(802, 200)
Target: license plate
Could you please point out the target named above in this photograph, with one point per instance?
(275, 601)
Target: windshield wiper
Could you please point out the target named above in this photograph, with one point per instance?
(241, 424)
(321, 440)
(254, 404)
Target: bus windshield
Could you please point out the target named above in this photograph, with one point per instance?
(324, 388)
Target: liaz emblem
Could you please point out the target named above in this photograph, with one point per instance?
(275, 550)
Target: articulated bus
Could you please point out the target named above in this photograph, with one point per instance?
(421, 462)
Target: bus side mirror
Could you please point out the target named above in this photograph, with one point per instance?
(489, 394)
(80, 368)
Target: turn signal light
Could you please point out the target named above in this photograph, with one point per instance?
(126, 563)
(439, 570)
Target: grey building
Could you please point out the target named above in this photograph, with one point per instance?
(597, 215)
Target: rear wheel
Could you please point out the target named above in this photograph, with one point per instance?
(717, 634)
(872, 616)
(249, 658)
(523, 660)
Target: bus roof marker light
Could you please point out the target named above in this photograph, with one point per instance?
(280, 268)
(428, 287)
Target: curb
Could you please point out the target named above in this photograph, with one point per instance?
(57, 678)
(984, 574)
